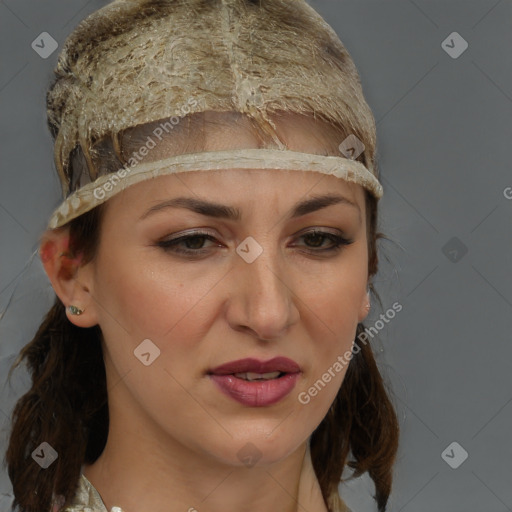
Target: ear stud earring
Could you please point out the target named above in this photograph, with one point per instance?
(75, 310)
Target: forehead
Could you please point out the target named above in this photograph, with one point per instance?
(279, 185)
(256, 195)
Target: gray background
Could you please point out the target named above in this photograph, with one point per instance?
(444, 137)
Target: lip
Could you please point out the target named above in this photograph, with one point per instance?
(277, 364)
(256, 393)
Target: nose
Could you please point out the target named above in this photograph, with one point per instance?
(263, 300)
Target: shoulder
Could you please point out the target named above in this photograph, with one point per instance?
(86, 499)
(336, 504)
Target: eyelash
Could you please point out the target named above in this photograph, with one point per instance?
(172, 245)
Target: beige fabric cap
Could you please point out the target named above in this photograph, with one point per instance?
(135, 62)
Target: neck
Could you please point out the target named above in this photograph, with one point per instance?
(156, 472)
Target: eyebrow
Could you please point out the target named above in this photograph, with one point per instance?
(221, 211)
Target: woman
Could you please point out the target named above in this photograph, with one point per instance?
(211, 262)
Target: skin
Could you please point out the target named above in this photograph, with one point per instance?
(174, 436)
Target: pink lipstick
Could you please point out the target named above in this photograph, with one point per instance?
(257, 383)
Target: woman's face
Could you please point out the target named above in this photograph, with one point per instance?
(257, 286)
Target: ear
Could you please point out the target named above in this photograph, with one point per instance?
(364, 307)
(71, 281)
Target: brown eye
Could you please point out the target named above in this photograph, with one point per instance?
(317, 238)
(188, 244)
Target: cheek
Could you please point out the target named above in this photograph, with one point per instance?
(154, 301)
(159, 301)
(334, 300)
(332, 305)
(150, 297)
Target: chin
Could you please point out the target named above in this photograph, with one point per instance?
(262, 444)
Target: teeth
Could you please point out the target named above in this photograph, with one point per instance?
(257, 376)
